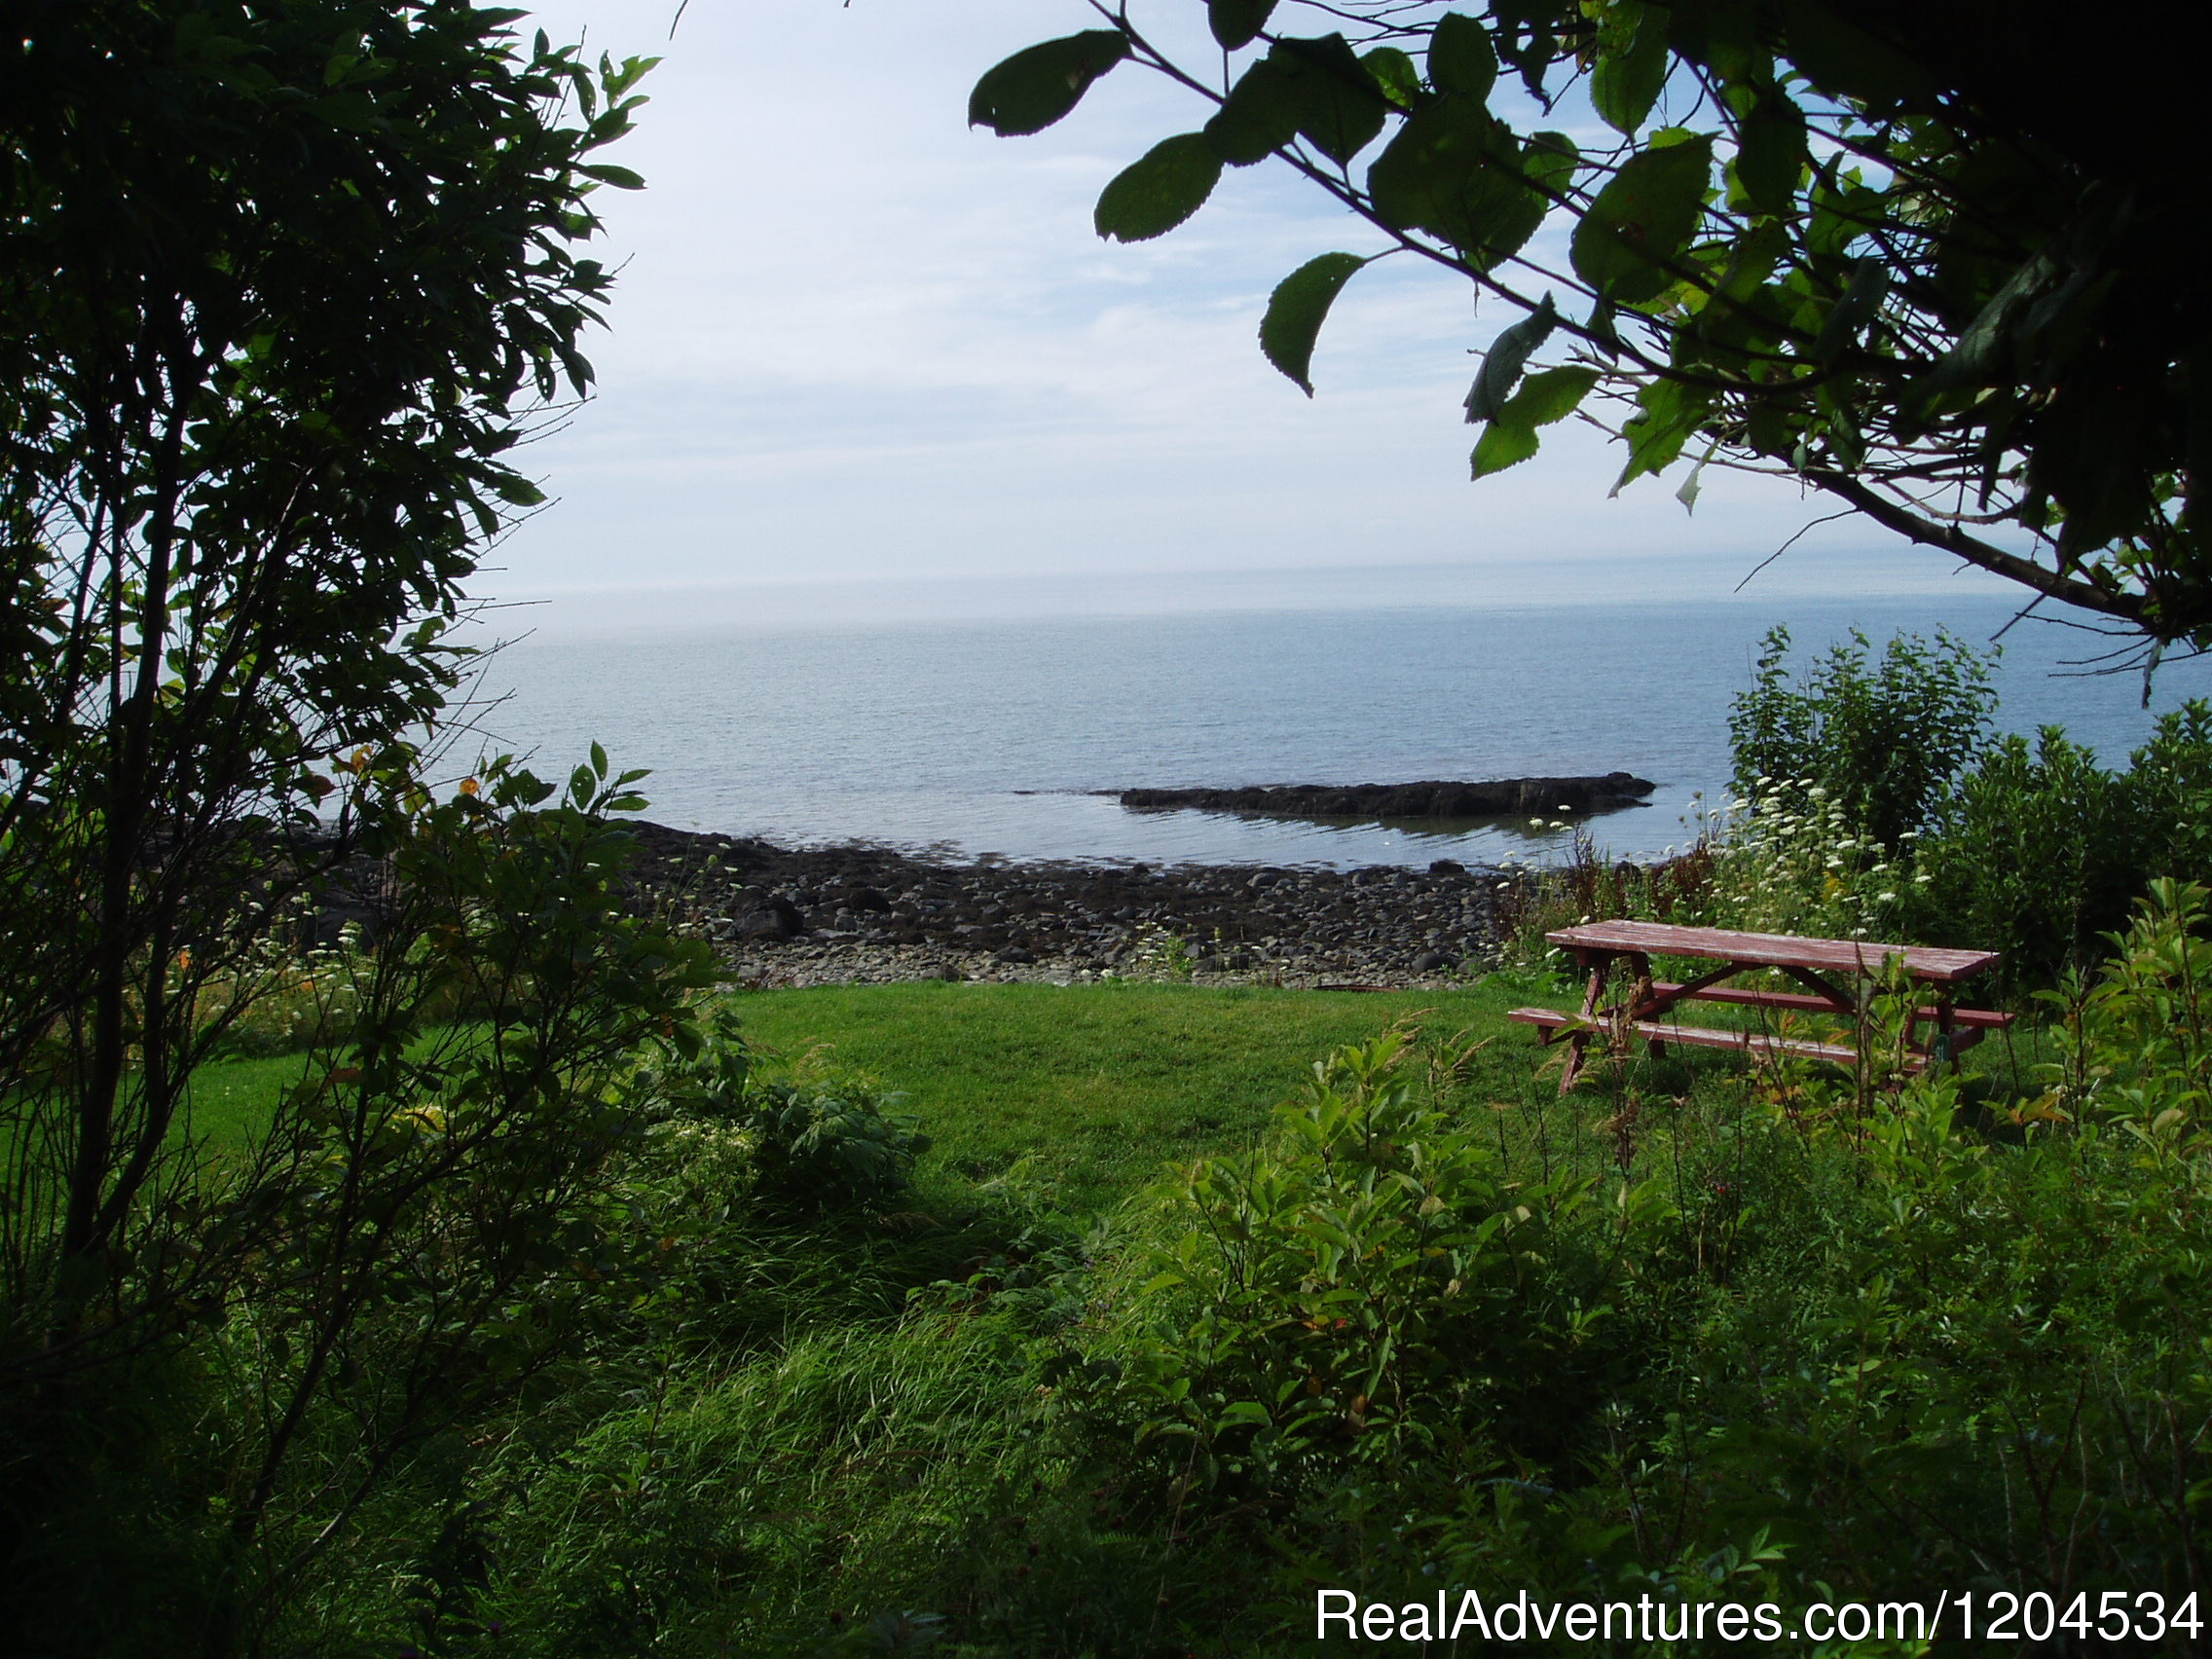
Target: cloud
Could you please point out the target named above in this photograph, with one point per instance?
(855, 340)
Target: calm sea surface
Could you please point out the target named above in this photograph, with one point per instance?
(992, 737)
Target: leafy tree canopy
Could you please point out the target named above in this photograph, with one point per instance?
(1929, 258)
(280, 283)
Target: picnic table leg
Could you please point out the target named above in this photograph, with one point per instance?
(1640, 995)
(1578, 1043)
(1946, 1048)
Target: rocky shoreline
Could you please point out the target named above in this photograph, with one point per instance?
(866, 914)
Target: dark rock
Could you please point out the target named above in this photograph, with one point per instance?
(772, 918)
(1502, 797)
(1431, 962)
(1448, 866)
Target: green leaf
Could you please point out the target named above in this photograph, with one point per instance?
(1771, 154)
(1039, 85)
(1724, 37)
(1502, 446)
(1502, 363)
(1452, 172)
(1159, 190)
(1343, 107)
(1237, 22)
(509, 487)
(1296, 309)
(1670, 414)
(606, 173)
(1461, 58)
(1549, 396)
(1844, 60)
(1551, 160)
(1688, 494)
(1630, 70)
(1395, 74)
(1642, 220)
(1853, 311)
(1260, 116)
(1976, 356)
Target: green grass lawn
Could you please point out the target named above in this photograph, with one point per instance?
(230, 1100)
(1097, 1086)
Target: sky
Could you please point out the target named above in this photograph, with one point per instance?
(858, 349)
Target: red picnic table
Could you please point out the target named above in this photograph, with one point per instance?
(1818, 964)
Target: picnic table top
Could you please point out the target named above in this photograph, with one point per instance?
(1775, 950)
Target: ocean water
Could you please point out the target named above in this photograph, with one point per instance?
(997, 736)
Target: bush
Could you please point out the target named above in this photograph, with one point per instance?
(2138, 1039)
(2039, 854)
(2170, 780)
(826, 1149)
(1876, 806)
(430, 1223)
(797, 1142)
(1370, 1291)
(1884, 741)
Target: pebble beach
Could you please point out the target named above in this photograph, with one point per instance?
(863, 914)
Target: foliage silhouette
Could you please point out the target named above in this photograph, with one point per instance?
(1839, 242)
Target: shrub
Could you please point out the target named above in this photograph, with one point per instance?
(826, 1149)
(2170, 780)
(1885, 741)
(795, 1142)
(1876, 805)
(428, 1225)
(2038, 854)
(1370, 1291)
(2138, 1046)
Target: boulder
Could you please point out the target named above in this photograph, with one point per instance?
(771, 918)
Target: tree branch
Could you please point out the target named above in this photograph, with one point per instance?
(2128, 607)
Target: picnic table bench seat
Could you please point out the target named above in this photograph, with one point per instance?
(1660, 1033)
(1818, 964)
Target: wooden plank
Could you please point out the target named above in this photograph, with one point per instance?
(1548, 1017)
(1753, 1041)
(1792, 1000)
(1704, 1037)
(1775, 950)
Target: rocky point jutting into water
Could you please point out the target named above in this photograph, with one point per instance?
(1501, 797)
